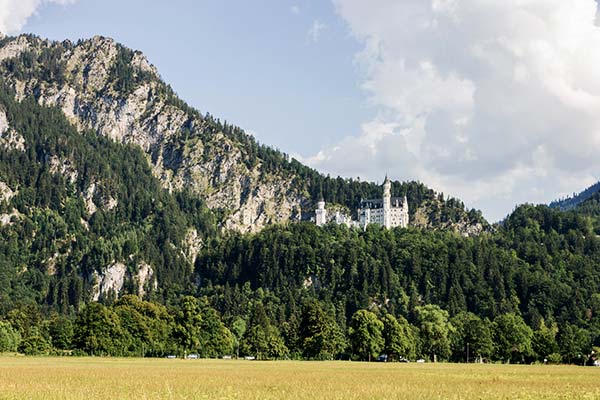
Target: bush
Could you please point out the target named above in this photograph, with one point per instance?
(554, 358)
(34, 346)
(9, 337)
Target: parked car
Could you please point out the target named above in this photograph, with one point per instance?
(193, 356)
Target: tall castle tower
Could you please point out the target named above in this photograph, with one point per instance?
(404, 222)
(387, 203)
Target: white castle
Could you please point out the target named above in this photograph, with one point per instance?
(389, 211)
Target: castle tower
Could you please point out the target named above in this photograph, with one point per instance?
(321, 213)
(387, 203)
(405, 212)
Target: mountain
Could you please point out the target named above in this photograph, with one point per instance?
(577, 199)
(111, 185)
(105, 87)
(102, 86)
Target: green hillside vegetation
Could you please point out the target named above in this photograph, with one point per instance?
(576, 199)
(147, 224)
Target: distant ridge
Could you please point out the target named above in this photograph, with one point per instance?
(571, 202)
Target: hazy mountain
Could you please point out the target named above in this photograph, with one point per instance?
(575, 200)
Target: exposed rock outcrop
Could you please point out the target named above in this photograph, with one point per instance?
(192, 245)
(93, 199)
(145, 279)
(63, 167)
(6, 193)
(428, 216)
(9, 138)
(8, 218)
(14, 48)
(109, 282)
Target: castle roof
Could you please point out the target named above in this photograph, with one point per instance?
(378, 203)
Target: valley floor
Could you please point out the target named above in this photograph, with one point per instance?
(115, 378)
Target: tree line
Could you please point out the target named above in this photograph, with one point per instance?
(134, 327)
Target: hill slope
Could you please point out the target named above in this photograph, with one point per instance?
(104, 87)
(83, 217)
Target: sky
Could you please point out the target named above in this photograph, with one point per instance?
(494, 102)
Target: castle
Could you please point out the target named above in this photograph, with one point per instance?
(389, 211)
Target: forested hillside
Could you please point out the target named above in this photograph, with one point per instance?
(527, 292)
(78, 208)
(111, 186)
(573, 201)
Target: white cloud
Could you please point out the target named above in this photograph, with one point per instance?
(496, 102)
(14, 13)
(295, 9)
(315, 31)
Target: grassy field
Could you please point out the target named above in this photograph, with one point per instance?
(97, 378)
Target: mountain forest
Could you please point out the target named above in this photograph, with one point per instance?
(133, 225)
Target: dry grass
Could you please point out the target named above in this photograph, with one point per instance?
(97, 378)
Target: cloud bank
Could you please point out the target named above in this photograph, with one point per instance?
(14, 13)
(496, 102)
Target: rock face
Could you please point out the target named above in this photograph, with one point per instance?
(145, 280)
(13, 48)
(427, 216)
(110, 282)
(9, 138)
(63, 167)
(6, 193)
(8, 218)
(105, 87)
(192, 245)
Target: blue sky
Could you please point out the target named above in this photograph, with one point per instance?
(494, 102)
(253, 63)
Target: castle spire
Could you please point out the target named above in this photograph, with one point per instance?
(387, 202)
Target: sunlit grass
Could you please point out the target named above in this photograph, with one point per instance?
(117, 378)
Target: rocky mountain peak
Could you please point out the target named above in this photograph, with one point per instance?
(102, 86)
